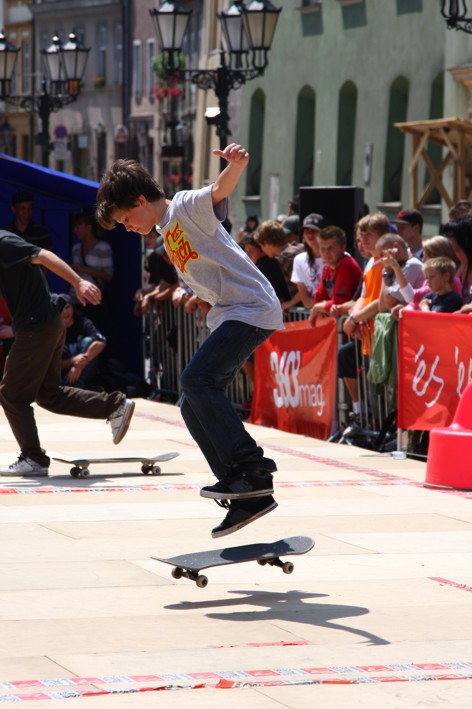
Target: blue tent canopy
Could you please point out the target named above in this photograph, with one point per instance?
(58, 196)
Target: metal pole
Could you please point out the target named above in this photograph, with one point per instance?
(44, 112)
(222, 89)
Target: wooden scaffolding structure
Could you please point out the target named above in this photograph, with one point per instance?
(453, 134)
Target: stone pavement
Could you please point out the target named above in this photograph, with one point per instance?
(378, 614)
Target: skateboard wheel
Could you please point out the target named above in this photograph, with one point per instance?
(156, 470)
(146, 469)
(288, 567)
(177, 573)
(261, 562)
(75, 472)
(84, 473)
(201, 581)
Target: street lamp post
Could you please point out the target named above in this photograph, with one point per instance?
(65, 66)
(248, 31)
(457, 15)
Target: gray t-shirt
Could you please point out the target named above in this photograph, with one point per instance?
(214, 266)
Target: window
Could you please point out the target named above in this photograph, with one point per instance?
(346, 133)
(151, 50)
(118, 59)
(256, 142)
(398, 111)
(102, 50)
(304, 139)
(137, 69)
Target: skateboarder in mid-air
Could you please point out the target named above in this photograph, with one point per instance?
(244, 311)
(33, 366)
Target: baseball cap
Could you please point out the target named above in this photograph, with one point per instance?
(314, 221)
(291, 225)
(60, 300)
(409, 216)
(21, 196)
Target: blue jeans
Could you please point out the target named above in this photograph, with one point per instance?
(208, 413)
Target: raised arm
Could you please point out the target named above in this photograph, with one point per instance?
(85, 291)
(237, 158)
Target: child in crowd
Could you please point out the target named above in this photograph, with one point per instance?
(439, 273)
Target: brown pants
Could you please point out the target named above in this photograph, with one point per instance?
(33, 374)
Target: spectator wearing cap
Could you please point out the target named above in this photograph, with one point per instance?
(82, 347)
(307, 266)
(409, 223)
(23, 224)
(291, 225)
(92, 259)
(274, 242)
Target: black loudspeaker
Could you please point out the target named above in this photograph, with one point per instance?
(340, 206)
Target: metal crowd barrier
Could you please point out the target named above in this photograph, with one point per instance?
(172, 337)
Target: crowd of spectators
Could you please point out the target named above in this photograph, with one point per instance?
(393, 266)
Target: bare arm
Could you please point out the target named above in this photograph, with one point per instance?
(85, 291)
(237, 158)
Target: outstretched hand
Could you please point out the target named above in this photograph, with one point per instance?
(234, 154)
(88, 293)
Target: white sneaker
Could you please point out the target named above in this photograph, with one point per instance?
(120, 420)
(25, 466)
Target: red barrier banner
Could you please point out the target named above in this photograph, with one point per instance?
(295, 379)
(435, 366)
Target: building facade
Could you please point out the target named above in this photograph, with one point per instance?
(340, 74)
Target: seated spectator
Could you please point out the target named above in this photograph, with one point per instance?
(307, 266)
(400, 267)
(274, 242)
(92, 259)
(439, 273)
(83, 345)
(162, 277)
(340, 276)
(459, 231)
(23, 224)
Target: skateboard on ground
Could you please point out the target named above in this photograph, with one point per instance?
(190, 565)
(80, 466)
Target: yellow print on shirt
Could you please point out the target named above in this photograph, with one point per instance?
(179, 248)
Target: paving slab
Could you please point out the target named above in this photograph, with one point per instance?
(378, 613)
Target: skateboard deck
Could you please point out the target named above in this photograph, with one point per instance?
(190, 565)
(80, 466)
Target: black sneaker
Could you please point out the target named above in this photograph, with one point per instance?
(243, 487)
(242, 513)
